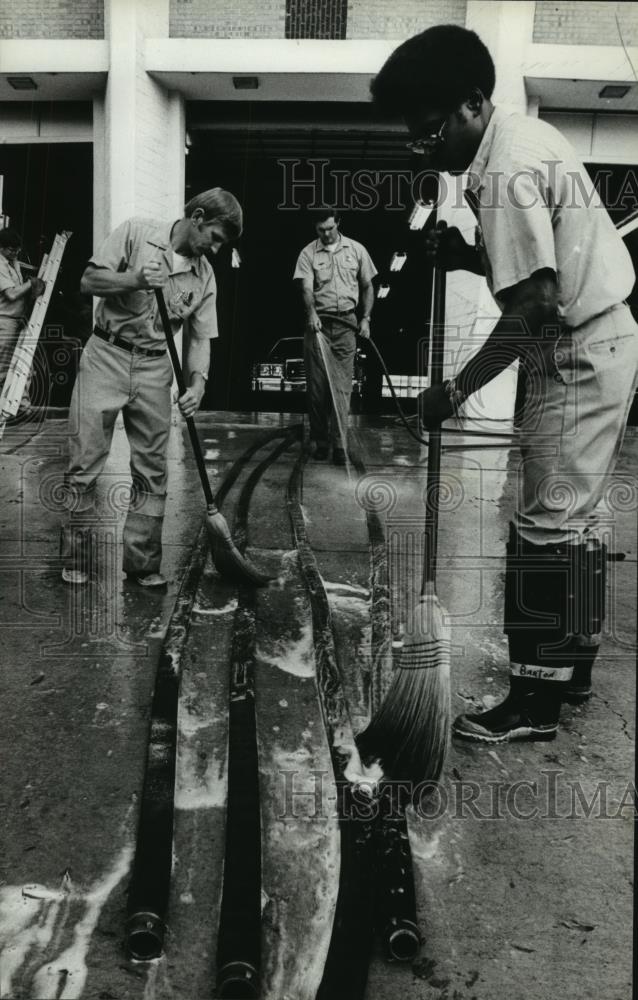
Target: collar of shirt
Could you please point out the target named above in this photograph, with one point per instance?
(476, 171)
(185, 265)
(343, 242)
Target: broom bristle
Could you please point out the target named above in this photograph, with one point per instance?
(410, 732)
(231, 564)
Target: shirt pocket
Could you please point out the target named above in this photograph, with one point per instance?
(349, 263)
(181, 300)
(322, 272)
(349, 271)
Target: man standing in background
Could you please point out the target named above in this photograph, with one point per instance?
(335, 274)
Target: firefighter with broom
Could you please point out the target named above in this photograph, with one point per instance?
(125, 368)
(560, 273)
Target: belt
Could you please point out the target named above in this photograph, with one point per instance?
(126, 345)
(337, 315)
(349, 318)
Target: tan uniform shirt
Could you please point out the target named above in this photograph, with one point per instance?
(10, 277)
(538, 208)
(191, 291)
(335, 274)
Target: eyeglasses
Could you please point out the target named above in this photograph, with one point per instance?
(432, 139)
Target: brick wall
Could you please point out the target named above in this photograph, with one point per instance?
(401, 18)
(585, 23)
(316, 18)
(227, 18)
(51, 18)
(310, 18)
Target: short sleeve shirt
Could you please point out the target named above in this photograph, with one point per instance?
(537, 208)
(10, 277)
(335, 274)
(191, 291)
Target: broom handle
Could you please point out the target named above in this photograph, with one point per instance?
(437, 341)
(181, 386)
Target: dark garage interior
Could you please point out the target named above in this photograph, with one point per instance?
(255, 150)
(48, 187)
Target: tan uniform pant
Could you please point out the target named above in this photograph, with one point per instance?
(328, 393)
(576, 407)
(111, 380)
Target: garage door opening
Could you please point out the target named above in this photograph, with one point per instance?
(48, 187)
(280, 160)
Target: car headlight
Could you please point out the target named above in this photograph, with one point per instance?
(277, 370)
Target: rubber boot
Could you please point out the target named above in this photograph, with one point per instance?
(592, 588)
(578, 690)
(78, 551)
(529, 712)
(538, 612)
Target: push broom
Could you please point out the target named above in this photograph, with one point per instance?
(227, 559)
(409, 733)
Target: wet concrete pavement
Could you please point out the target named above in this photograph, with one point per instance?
(524, 859)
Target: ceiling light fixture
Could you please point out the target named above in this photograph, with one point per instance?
(614, 91)
(22, 82)
(398, 260)
(420, 214)
(245, 82)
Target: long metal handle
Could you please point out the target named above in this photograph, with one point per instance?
(181, 385)
(437, 346)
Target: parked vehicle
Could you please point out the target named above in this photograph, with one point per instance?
(283, 370)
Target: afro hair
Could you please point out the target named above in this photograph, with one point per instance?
(437, 69)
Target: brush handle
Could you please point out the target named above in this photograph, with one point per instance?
(181, 385)
(437, 346)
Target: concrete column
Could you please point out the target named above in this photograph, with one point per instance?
(143, 124)
(175, 154)
(507, 28)
(100, 187)
(120, 29)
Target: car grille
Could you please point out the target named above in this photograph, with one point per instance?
(294, 369)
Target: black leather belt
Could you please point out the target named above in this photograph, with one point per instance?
(126, 345)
